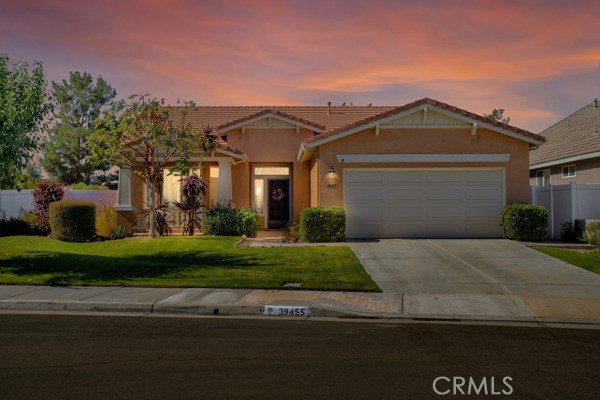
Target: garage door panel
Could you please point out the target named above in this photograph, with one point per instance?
(442, 194)
(424, 203)
(368, 178)
(403, 194)
(482, 176)
(365, 211)
(405, 211)
(445, 212)
(482, 194)
(365, 229)
(407, 177)
(479, 211)
(443, 177)
(362, 193)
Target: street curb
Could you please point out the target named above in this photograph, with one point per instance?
(255, 311)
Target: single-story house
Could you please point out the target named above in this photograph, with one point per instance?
(572, 153)
(424, 169)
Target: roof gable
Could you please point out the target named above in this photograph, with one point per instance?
(445, 115)
(258, 120)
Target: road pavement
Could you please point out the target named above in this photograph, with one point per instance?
(108, 357)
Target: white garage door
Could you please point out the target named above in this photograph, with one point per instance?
(423, 203)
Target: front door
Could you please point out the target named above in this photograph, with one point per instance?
(278, 203)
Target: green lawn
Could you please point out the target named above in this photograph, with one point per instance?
(178, 262)
(589, 261)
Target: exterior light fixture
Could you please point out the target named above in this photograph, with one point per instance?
(332, 171)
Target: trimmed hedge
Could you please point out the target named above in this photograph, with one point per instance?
(222, 219)
(525, 222)
(592, 232)
(72, 220)
(323, 224)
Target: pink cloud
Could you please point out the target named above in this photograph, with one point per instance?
(475, 54)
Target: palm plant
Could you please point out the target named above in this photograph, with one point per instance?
(193, 190)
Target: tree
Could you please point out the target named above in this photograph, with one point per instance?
(498, 115)
(146, 136)
(80, 102)
(23, 112)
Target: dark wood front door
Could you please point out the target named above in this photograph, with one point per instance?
(279, 203)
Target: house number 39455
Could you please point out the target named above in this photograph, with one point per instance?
(331, 186)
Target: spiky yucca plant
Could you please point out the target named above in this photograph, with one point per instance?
(193, 190)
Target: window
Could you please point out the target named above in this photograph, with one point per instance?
(271, 170)
(543, 177)
(258, 195)
(171, 185)
(568, 171)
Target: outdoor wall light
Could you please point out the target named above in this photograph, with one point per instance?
(332, 170)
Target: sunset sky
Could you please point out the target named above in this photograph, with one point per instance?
(539, 60)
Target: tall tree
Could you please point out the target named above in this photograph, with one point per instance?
(146, 136)
(498, 115)
(23, 112)
(80, 101)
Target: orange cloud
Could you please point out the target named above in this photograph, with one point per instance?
(475, 54)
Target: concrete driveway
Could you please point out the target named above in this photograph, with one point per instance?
(479, 277)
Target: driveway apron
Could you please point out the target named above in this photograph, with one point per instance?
(431, 274)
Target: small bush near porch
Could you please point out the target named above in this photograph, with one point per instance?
(178, 262)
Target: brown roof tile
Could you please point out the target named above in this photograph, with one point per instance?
(417, 103)
(576, 135)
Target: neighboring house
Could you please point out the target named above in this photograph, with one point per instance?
(425, 169)
(572, 153)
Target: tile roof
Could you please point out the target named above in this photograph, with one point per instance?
(396, 110)
(222, 117)
(576, 135)
(340, 119)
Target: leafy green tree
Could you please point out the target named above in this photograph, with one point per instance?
(146, 136)
(31, 175)
(498, 115)
(23, 115)
(80, 102)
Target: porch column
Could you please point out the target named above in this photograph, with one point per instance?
(224, 189)
(124, 191)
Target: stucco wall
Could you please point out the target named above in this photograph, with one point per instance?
(424, 141)
(314, 182)
(270, 145)
(587, 171)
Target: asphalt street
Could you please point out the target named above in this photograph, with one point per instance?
(118, 357)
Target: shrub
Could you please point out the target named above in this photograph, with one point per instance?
(14, 227)
(30, 219)
(106, 221)
(44, 194)
(570, 232)
(592, 232)
(292, 232)
(72, 220)
(83, 186)
(249, 221)
(323, 224)
(118, 233)
(222, 219)
(525, 222)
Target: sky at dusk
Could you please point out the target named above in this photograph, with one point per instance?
(539, 60)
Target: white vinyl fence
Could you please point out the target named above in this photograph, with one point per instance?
(567, 203)
(12, 201)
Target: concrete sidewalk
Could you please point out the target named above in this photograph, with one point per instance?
(199, 301)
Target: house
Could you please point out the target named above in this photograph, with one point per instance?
(424, 169)
(572, 154)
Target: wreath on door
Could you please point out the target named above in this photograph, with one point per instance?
(278, 195)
